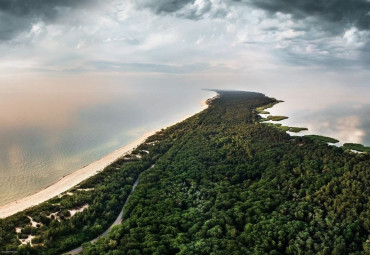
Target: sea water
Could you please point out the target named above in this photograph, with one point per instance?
(50, 127)
(48, 130)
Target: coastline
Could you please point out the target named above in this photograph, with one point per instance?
(74, 178)
(70, 180)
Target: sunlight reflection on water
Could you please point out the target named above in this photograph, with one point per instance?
(346, 121)
(48, 131)
(52, 126)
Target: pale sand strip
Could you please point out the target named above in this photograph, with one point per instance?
(76, 177)
(70, 180)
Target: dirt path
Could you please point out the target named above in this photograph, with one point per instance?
(116, 222)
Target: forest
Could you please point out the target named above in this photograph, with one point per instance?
(221, 182)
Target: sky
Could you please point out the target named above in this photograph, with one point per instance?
(186, 37)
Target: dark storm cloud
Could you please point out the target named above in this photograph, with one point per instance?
(338, 12)
(319, 17)
(187, 9)
(17, 16)
(163, 6)
(341, 12)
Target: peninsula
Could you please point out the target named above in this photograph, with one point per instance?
(222, 181)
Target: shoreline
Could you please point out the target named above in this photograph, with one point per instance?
(68, 181)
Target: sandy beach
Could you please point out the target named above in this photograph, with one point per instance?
(75, 178)
(70, 180)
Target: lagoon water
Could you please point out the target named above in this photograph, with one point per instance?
(342, 114)
(339, 108)
(51, 127)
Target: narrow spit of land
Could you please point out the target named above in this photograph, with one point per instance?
(223, 182)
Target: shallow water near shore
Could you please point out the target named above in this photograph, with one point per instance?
(345, 116)
(339, 109)
(49, 131)
(50, 128)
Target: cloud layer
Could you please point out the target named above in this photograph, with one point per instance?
(183, 36)
(341, 13)
(17, 16)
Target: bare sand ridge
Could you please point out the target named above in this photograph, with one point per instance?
(74, 178)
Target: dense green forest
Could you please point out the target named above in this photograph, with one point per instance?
(223, 181)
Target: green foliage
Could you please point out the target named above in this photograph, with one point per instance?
(274, 118)
(104, 193)
(261, 109)
(228, 184)
(356, 147)
(321, 138)
(221, 183)
(297, 129)
(284, 128)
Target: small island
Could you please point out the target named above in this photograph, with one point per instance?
(356, 147)
(274, 118)
(285, 128)
(269, 120)
(321, 138)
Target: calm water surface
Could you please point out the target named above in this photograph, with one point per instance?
(51, 127)
(342, 114)
(48, 131)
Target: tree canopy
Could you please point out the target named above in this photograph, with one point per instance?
(220, 182)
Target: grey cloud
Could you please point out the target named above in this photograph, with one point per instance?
(17, 16)
(321, 22)
(195, 13)
(163, 6)
(338, 12)
(187, 9)
(365, 53)
(341, 12)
